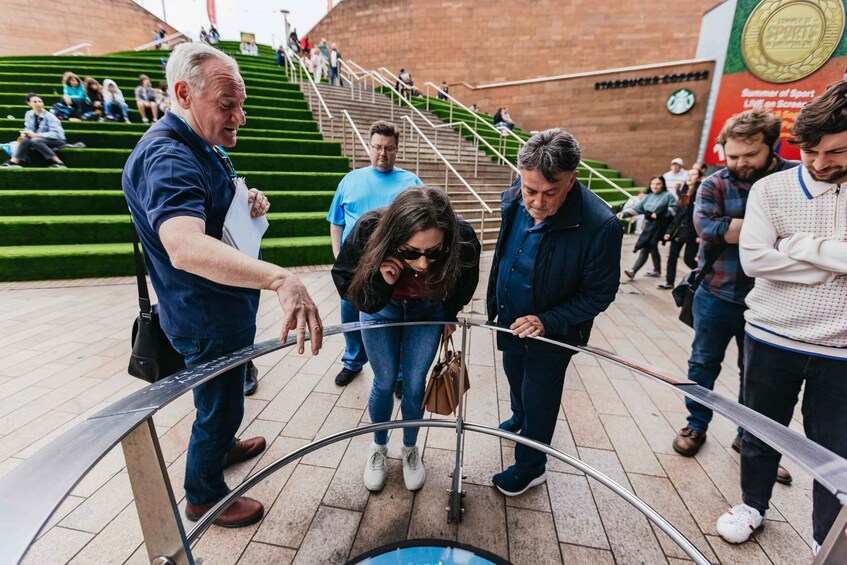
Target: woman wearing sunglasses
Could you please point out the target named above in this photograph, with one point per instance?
(412, 261)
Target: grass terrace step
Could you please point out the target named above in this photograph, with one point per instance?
(44, 262)
(128, 81)
(56, 230)
(115, 158)
(112, 202)
(110, 179)
(290, 144)
(52, 88)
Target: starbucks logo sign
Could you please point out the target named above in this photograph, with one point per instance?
(680, 101)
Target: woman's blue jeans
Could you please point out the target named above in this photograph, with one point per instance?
(112, 107)
(220, 408)
(410, 349)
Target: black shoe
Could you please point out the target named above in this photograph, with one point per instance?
(630, 273)
(10, 165)
(345, 376)
(251, 383)
(398, 390)
(665, 286)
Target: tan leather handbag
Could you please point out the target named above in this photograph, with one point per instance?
(442, 391)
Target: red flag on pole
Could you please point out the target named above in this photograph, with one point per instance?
(210, 9)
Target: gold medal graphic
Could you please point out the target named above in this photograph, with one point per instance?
(786, 40)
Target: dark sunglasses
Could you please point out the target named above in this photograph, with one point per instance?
(431, 255)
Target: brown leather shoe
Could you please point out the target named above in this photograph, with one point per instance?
(245, 450)
(688, 442)
(783, 476)
(242, 512)
(736, 445)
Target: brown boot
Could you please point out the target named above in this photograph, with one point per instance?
(242, 512)
(244, 450)
(688, 442)
(783, 476)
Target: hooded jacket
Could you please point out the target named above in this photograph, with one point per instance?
(108, 97)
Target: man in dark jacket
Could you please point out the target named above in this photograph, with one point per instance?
(555, 268)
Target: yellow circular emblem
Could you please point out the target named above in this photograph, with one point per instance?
(786, 40)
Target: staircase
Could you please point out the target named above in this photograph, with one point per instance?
(486, 177)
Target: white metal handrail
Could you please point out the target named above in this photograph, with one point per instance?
(591, 170)
(322, 107)
(354, 131)
(453, 100)
(360, 79)
(74, 49)
(450, 167)
(486, 209)
(162, 41)
(436, 127)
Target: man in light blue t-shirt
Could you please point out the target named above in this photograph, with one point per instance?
(361, 191)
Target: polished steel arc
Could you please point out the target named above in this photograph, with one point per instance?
(30, 493)
(678, 538)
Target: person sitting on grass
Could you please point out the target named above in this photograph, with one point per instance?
(42, 132)
(145, 99)
(73, 95)
(94, 92)
(114, 101)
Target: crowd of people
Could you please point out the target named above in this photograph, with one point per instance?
(761, 230)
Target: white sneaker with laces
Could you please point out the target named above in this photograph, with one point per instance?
(375, 468)
(414, 474)
(739, 523)
(816, 548)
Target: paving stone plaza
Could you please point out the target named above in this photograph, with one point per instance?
(63, 354)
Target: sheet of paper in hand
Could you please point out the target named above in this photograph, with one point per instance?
(240, 229)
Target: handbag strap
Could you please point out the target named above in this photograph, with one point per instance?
(140, 273)
(710, 262)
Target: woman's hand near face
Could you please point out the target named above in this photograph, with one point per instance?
(391, 269)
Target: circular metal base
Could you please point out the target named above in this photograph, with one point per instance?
(428, 551)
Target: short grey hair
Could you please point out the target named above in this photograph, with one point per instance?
(186, 64)
(550, 152)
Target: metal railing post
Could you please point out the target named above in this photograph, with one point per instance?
(455, 494)
(158, 513)
(834, 548)
(590, 172)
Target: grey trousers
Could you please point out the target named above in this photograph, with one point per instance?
(44, 146)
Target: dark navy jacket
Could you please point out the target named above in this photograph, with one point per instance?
(577, 268)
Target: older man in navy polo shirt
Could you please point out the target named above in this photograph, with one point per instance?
(179, 184)
(555, 268)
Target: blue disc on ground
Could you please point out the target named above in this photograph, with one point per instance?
(427, 552)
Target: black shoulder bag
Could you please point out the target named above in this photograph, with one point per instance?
(683, 293)
(153, 357)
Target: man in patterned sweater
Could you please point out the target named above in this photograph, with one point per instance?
(794, 242)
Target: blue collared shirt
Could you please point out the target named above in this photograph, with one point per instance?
(517, 265)
(164, 178)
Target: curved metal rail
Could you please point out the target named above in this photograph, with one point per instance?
(322, 107)
(30, 493)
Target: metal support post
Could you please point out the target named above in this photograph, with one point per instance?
(418, 157)
(834, 548)
(161, 525)
(454, 506)
(589, 179)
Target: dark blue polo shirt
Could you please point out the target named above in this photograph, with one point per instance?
(517, 265)
(162, 179)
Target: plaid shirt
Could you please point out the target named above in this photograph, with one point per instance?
(720, 199)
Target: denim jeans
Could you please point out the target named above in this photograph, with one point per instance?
(772, 381)
(410, 349)
(113, 107)
(220, 408)
(716, 323)
(535, 388)
(354, 357)
(333, 74)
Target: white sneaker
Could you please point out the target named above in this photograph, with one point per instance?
(414, 474)
(816, 548)
(375, 468)
(738, 524)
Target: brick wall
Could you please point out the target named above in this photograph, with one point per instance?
(629, 128)
(483, 41)
(109, 25)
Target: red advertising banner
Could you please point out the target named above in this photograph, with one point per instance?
(781, 54)
(210, 10)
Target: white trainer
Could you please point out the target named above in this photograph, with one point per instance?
(816, 548)
(739, 523)
(375, 468)
(414, 474)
